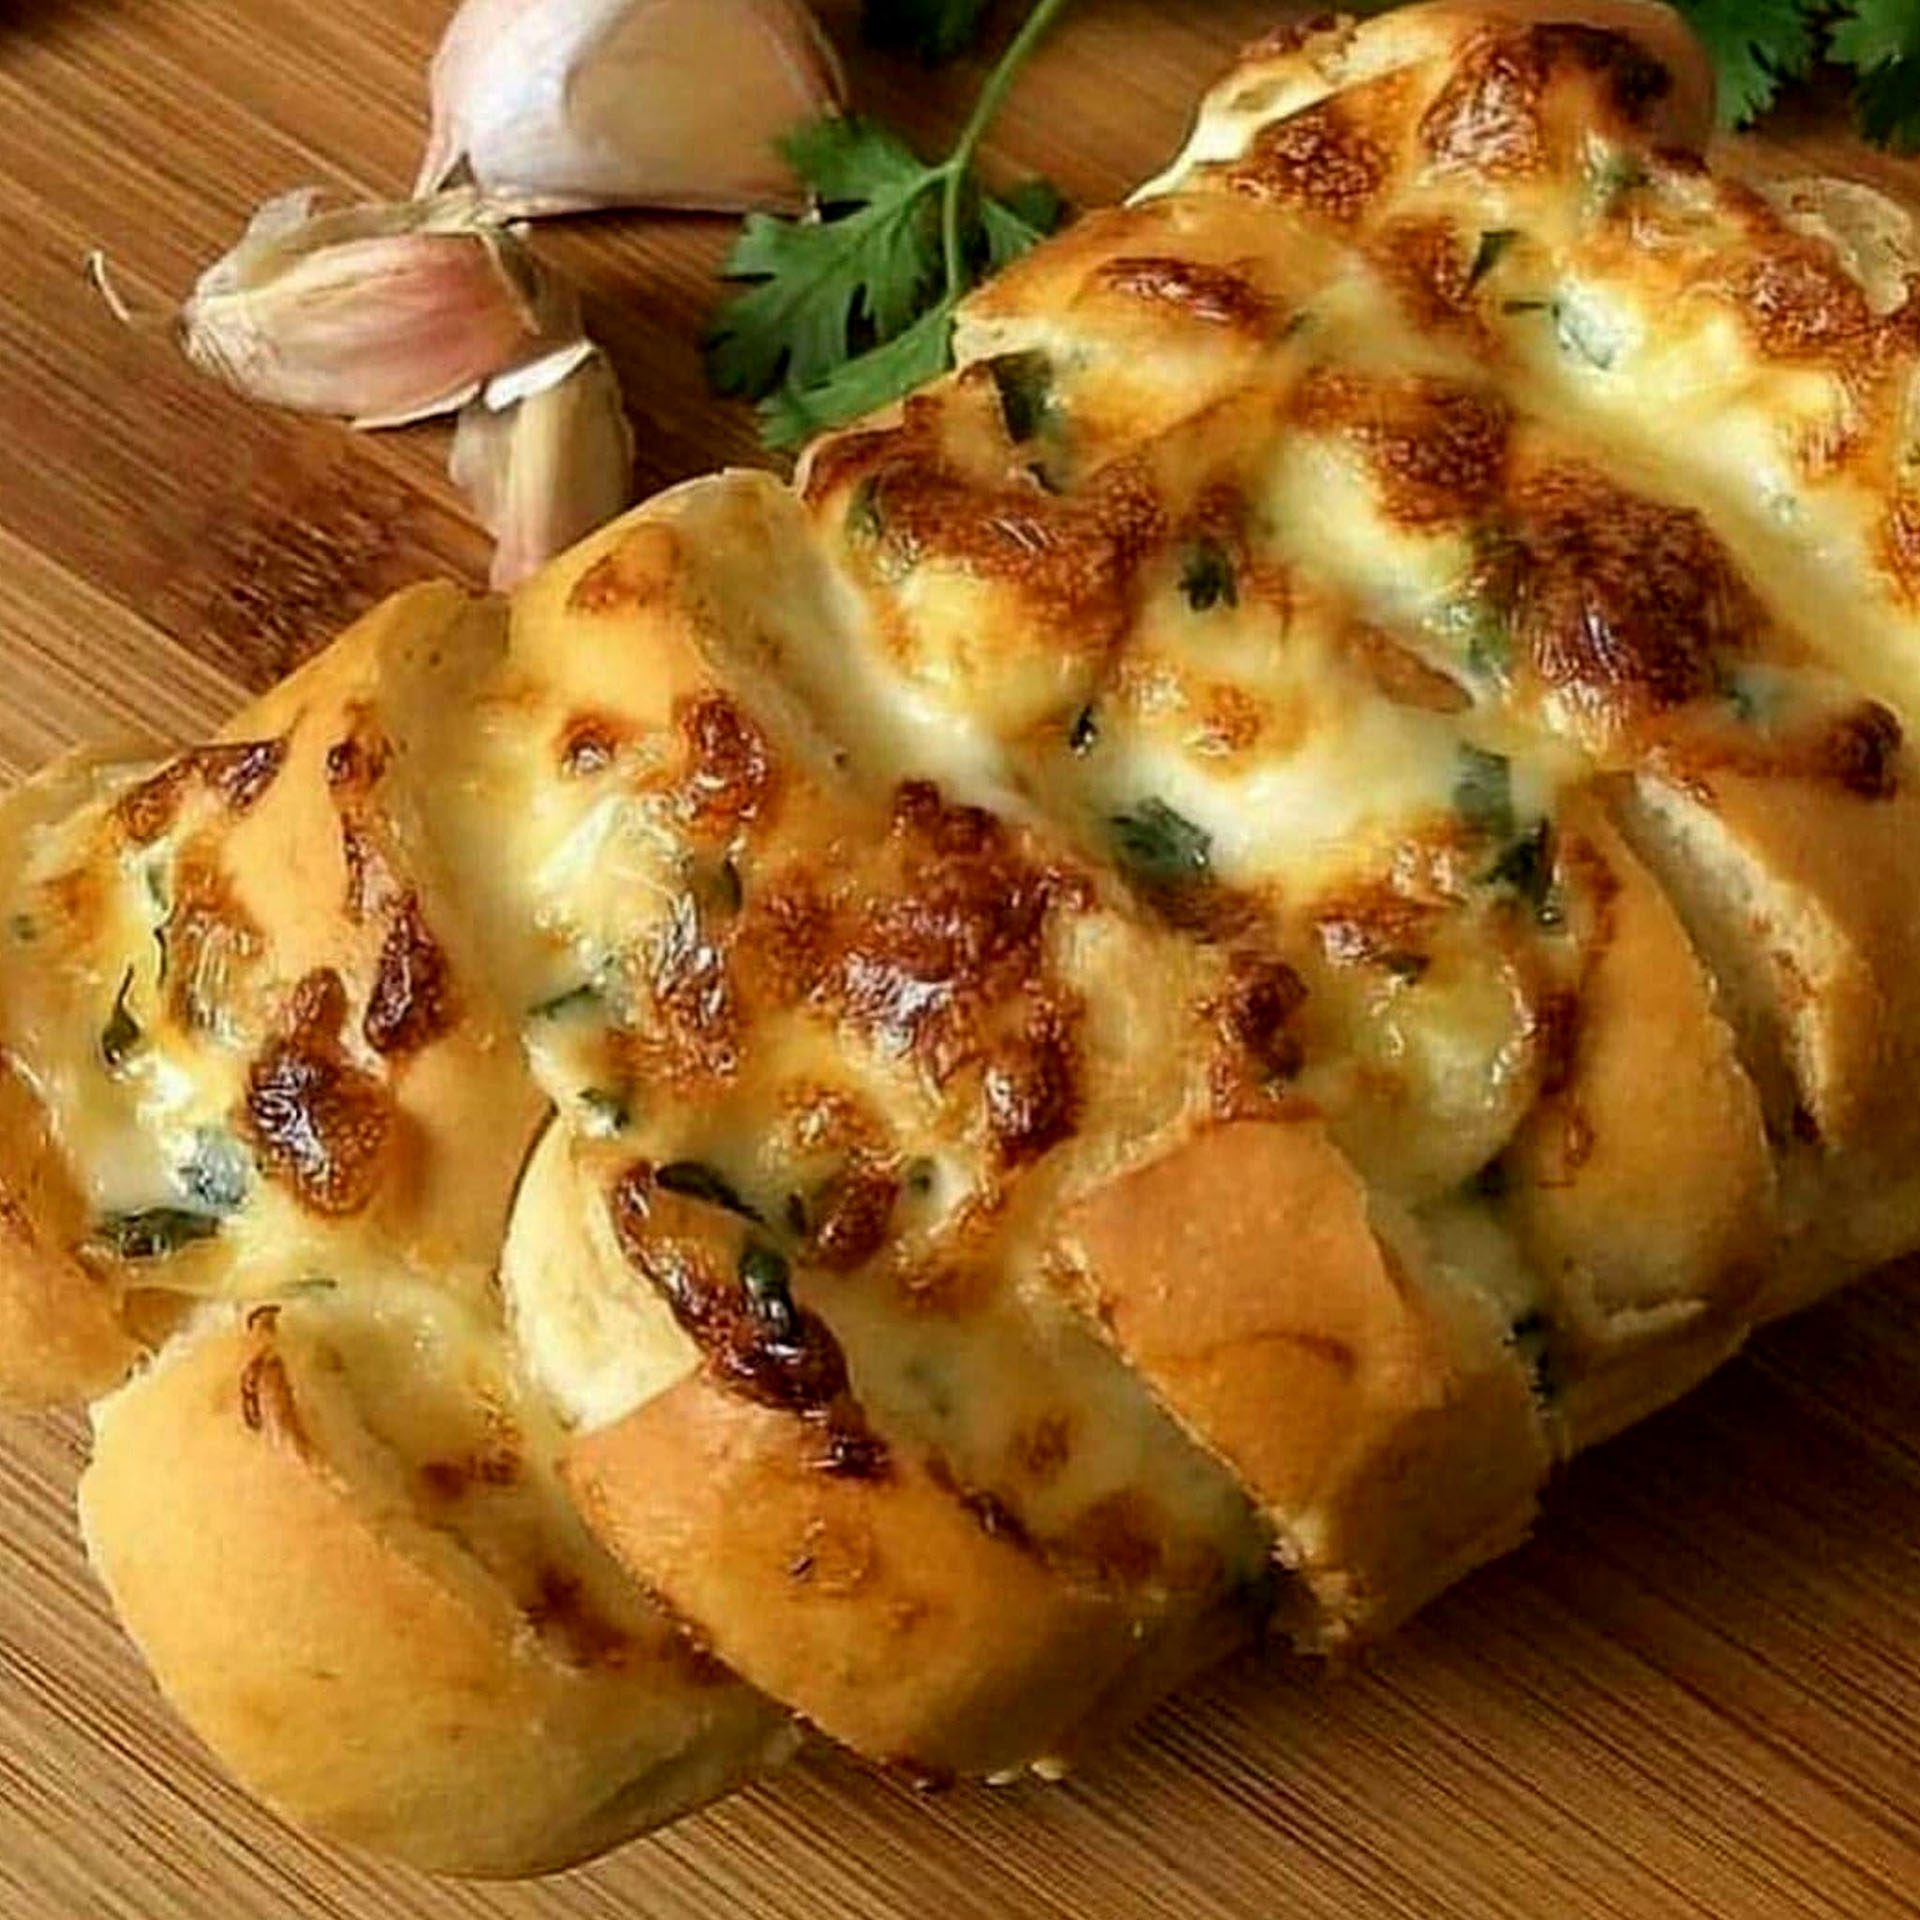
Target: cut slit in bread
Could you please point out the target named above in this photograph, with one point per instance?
(361, 1584)
(1375, 1410)
(910, 1616)
(1801, 904)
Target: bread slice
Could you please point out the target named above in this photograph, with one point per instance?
(1801, 898)
(333, 1530)
(1650, 1220)
(828, 1550)
(1376, 1415)
(1234, 928)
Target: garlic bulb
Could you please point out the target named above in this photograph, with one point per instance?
(556, 106)
(381, 313)
(545, 456)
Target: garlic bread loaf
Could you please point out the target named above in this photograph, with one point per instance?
(906, 1105)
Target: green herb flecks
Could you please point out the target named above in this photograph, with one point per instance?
(218, 1170)
(696, 1180)
(1084, 734)
(153, 1233)
(1483, 793)
(123, 1033)
(1527, 867)
(1611, 176)
(864, 520)
(1207, 577)
(1024, 384)
(765, 1275)
(1493, 245)
(604, 1111)
(1162, 847)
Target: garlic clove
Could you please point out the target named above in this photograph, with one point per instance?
(383, 314)
(545, 456)
(558, 106)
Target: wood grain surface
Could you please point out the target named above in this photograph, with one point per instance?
(1697, 1693)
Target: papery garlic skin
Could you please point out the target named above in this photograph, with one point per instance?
(382, 314)
(545, 457)
(560, 106)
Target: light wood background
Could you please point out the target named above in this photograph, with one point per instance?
(1696, 1694)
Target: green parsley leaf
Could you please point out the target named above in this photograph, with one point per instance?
(154, 1233)
(1755, 44)
(1164, 848)
(857, 386)
(824, 287)
(1483, 792)
(121, 1035)
(852, 305)
(1882, 39)
(1020, 218)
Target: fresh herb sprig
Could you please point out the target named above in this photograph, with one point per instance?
(852, 305)
(1759, 45)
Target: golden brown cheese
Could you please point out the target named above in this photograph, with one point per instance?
(1097, 965)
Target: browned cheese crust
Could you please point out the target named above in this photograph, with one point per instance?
(1285, 898)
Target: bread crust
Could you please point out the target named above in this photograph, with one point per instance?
(880, 1609)
(1390, 1437)
(1218, 890)
(1652, 1220)
(360, 1669)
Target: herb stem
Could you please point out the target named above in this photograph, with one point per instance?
(959, 163)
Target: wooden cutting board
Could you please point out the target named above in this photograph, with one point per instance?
(1696, 1694)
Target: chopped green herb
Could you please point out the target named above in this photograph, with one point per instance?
(153, 1233)
(695, 1180)
(1406, 966)
(1085, 731)
(1206, 576)
(863, 510)
(21, 929)
(1483, 793)
(603, 1111)
(767, 1279)
(1487, 255)
(1574, 330)
(1576, 334)
(918, 1175)
(1164, 848)
(122, 1033)
(574, 1001)
(733, 889)
(1490, 1183)
(1611, 176)
(796, 1214)
(1527, 866)
(216, 1175)
(155, 876)
(1024, 382)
